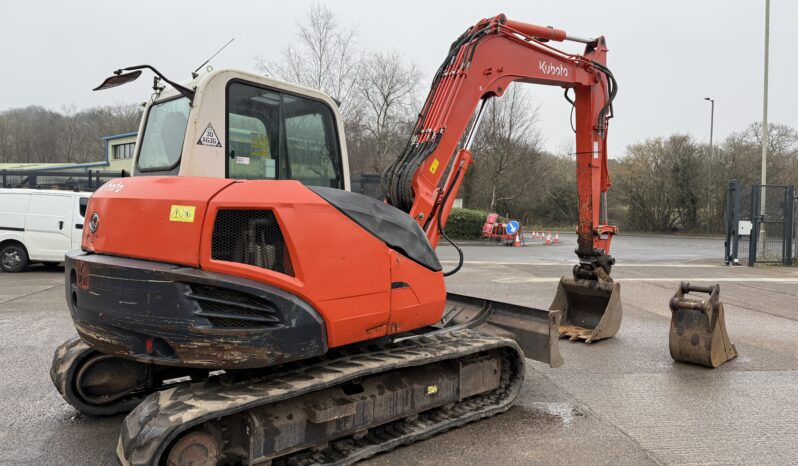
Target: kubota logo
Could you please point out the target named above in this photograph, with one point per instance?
(552, 69)
(94, 222)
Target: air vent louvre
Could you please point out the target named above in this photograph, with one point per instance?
(226, 308)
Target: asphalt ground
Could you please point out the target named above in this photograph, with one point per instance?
(617, 401)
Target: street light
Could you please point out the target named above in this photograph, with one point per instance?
(711, 124)
(711, 157)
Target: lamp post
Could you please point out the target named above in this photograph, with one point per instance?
(711, 124)
(711, 158)
(763, 181)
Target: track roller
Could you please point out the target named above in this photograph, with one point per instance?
(198, 447)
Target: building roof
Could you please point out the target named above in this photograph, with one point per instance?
(120, 136)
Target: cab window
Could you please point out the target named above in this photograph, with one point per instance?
(275, 135)
(83, 203)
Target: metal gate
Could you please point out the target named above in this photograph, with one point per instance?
(757, 236)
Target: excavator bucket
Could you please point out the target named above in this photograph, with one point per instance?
(591, 309)
(698, 328)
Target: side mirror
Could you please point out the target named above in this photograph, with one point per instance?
(118, 79)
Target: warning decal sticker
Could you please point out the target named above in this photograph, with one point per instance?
(182, 213)
(209, 138)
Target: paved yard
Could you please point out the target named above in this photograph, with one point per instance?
(617, 401)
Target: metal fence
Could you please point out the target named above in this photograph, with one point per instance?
(52, 179)
(757, 232)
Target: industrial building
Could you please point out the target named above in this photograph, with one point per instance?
(119, 150)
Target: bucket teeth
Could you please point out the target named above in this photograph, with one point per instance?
(574, 333)
(698, 328)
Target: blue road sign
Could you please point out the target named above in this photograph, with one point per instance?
(512, 227)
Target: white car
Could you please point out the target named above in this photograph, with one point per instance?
(39, 226)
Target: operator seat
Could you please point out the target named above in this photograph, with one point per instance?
(390, 225)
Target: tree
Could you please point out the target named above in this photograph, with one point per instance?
(555, 200)
(660, 180)
(388, 91)
(741, 154)
(506, 150)
(324, 57)
(36, 134)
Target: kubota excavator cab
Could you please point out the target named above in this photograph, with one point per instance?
(234, 124)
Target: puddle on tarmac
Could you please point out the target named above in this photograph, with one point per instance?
(559, 413)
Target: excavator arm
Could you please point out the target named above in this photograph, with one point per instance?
(481, 64)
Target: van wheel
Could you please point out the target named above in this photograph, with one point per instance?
(13, 258)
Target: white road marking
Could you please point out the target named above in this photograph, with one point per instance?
(655, 279)
(571, 263)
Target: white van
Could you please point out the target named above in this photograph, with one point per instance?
(39, 226)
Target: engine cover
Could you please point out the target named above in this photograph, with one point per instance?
(276, 233)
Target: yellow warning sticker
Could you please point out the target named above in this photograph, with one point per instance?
(182, 213)
(434, 166)
(432, 389)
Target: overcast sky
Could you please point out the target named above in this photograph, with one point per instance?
(666, 55)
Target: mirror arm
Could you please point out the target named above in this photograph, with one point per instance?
(181, 89)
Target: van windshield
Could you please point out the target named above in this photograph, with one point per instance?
(163, 135)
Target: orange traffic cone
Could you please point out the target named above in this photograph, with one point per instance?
(517, 242)
(548, 239)
(556, 237)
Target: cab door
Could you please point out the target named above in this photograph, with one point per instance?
(48, 226)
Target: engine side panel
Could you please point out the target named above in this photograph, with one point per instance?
(338, 267)
(418, 295)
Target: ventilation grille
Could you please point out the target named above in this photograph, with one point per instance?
(251, 237)
(226, 308)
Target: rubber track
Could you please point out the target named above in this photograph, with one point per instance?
(65, 360)
(150, 428)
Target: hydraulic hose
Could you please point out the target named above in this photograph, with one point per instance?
(613, 91)
(443, 232)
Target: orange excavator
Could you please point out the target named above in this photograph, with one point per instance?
(280, 321)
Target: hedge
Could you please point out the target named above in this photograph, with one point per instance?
(466, 223)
